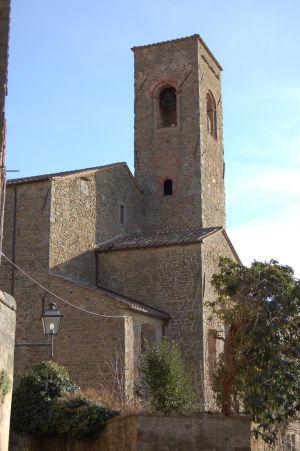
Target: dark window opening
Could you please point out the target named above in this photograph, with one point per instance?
(168, 107)
(168, 188)
(122, 214)
(211, 111)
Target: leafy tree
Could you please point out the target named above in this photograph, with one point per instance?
(260, 366)
(165, 378)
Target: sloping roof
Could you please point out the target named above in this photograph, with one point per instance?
(166, 238)
(42, 177)
(193, 36)
(139, 307)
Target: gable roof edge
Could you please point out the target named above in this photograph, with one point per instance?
(231, 246)
(138, 307)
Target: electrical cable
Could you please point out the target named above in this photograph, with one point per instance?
(56, 296)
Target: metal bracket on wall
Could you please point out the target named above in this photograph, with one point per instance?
(24, 345)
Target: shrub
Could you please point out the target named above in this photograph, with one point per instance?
(79, 417)
(46, 401)
(5, 384)
(165, 378)
(34, 395)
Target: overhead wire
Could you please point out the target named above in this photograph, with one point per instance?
(56, 296)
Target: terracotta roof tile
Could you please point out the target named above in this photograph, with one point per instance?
(166, 238)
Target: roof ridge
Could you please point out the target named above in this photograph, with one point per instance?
(163, 232)
(62, 173)
(158, 239)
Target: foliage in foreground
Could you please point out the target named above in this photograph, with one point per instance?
(260, 366)
(46, 401)
(165, 379)
(5, 384)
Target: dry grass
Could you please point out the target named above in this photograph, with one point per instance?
(113, 391)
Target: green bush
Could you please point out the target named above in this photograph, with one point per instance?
(5, 384)
(34, 396)
(46, 401)
(79, 417)
(165, 379)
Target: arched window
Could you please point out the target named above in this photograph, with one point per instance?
(211, 111)
(168, 107)
(168, 187)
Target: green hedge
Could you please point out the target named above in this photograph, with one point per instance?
(46, 401)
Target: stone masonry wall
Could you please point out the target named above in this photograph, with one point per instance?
(214, 247)
(187, 154)
(84, 341)
(85, 210)
(168, 153)
(152, 433)
(168, 278)
(212, 151)
(7, 344)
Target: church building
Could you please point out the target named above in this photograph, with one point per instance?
(135, 253)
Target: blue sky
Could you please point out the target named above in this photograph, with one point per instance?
(70, 98)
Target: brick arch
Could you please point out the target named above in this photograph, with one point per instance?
(162, 83)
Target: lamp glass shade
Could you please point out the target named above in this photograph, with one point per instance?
(51, 320)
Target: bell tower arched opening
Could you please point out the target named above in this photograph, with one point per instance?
(168, 107)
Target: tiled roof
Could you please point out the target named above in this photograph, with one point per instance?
(158, 239)
(193, 36)
(40, 178)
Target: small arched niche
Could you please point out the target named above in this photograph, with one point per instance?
(167, 107)
(211, 111)
(168, 187)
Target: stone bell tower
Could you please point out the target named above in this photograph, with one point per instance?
(178, 134)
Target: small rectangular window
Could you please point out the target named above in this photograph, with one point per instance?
(122, 214)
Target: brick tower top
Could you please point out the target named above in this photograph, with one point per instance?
(178, 134)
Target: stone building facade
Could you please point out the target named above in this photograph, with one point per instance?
(140, 249)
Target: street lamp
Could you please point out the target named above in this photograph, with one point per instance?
(51, 318)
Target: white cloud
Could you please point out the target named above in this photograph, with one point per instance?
(270, 238)
(260, 183)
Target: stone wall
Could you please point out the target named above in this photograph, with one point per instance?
(186, 153)
(167, 278)
(85, 210)
(86, 344)
(177, 280)
(213, 247)
(7, 344)
(152, 433)
(212, 150)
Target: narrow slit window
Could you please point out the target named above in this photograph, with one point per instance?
(211, 111)
(122, 214)
(168, 188)
(168, 107)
